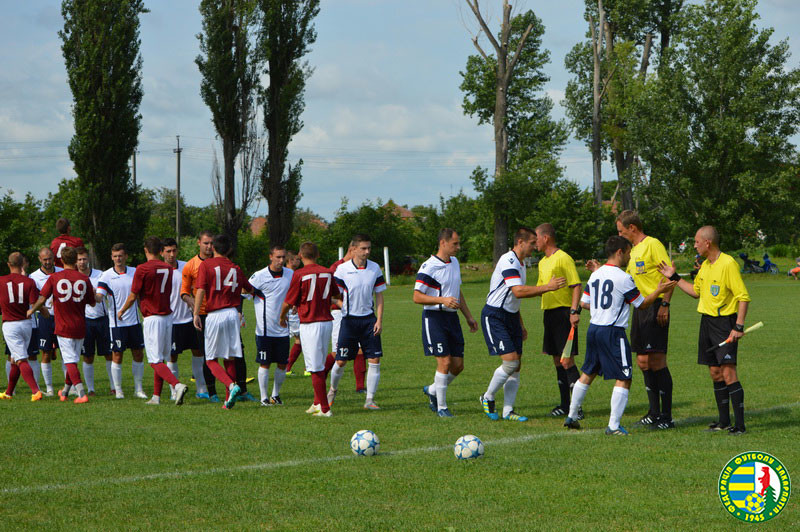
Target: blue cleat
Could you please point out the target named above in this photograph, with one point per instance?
(433, 404)
(619, 432)
(247, 396)
(571, 423)
(513, 416)
(233, 393)
(488, 409)
(444, 412)
(202, 395)
(214, 399)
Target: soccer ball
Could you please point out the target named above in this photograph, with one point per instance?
(365, 443)
(754, 503)
(468, 446)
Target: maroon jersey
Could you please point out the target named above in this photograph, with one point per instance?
(223, 282)
(310, 291)
(334, 304)
(63, 241)
(152, 282)
(71, 291)
(17, 294)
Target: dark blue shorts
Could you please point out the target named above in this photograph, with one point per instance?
(129, 337)
(184, 337)
(441, 334)
(33, 346)
(355, 332)
(608, 353)
(47, 333)
(272, 350)
(98, 337)
(502, 330)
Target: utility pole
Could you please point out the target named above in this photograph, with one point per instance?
(178, 150)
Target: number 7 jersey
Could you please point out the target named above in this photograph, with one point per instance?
(609, 294)
(310, 291)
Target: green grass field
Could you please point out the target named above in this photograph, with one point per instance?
(123, 465)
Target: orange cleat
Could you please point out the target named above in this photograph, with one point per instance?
(5, 396)
(81, 400)
(36, 397)
(61, 396)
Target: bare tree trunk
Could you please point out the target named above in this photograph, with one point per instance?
(597, 40)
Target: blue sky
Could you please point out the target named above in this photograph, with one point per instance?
(383, 112)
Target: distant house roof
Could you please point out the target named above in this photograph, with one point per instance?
(400, 210)
(257, 225)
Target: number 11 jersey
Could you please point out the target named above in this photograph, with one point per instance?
(609, 294)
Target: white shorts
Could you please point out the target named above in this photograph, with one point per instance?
(70, 349)
(337, 323)
(315, 337)
(157, 332)
(18, 335)
(222, 334)
(294, 324)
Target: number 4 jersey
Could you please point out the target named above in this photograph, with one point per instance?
(71, 291)
(609, 293)
(223, 282)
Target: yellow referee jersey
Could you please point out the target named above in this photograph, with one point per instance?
(643, 267)
(559, 264)
(720, 287)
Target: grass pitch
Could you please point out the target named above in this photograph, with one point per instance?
(123, 465)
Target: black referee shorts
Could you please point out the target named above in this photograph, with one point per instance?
(556, 329)
(647, 336)
(713, 331)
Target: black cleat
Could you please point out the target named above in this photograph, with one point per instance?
(717, 427)
(647, 420)
(571, 423)
(663, 423)
(580, 414)
(736, 431)
(559, 411)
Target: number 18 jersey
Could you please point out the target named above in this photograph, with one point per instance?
(609, 294)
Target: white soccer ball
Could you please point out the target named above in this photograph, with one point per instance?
(468, 446)
(365, 443)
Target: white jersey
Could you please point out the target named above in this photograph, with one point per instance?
(181, 313)
(357, 286)
(270, 291)
(40, 277)
(509, 272)
(116, 287)
(438, 278)
(99, 309)
(609, 294)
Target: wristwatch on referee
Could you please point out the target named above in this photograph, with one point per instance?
(664, 303)
(738, 328)
(573, 311)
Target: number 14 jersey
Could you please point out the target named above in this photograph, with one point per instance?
(609, 294)
(223, 282)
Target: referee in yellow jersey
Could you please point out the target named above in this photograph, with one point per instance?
(562, 310)
(723, 308)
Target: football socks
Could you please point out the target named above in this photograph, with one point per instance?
(563, 384)
(578, 393)
(88, 374)
(619, 399)
(280, 376)
(263, 382)
(336, 375)
(736, 394)
(499, 378)
(723, 400)
(138, 375)
(47, 375)
(651, 386)
(441, 381)
(663, 379)
(199, 376)
(510, 393)
(373, 378)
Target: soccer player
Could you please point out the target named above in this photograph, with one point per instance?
(220, 283)
(723, 303)
(72, 291)
(64, 239)
(47, 326)
(126, 330)
(359, 279)
(310, 291)
(561, 313)
(608, 295)
(359, 364)
(206, 387)
(152, 287)
(294, 263)
(21, 293)
(503, 328)
(438, 290)
(33, 344)
(272, 341)
(98, 335)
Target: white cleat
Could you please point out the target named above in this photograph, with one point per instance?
(49, 393)
(180, 393)
(331, 396)
(155, 400)
(313, 409)
(120, 395)
(140, 394)
(320, 413)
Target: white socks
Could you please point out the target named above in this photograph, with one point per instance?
(499, 378)
(8, 369)
(510, 393)
(263, 382)
(441, 381)
(197, 373)
(280, 376)
(116, 374)
(37, 370)
(336, 375)
(110, 377)
(79, 388)
(373, 378)
(173, 368)
(88, 374)
(578, 393)
(138, 375)
(47, 375)
(619, 399)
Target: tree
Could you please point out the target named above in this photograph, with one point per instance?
(101, 52)
(21, 225)
(286, 33)
(229, 66)
(504, 88)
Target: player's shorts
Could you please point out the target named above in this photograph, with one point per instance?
(608, 353)
(294, 324)
(201, 334)
(70, 349)
(128, 337)
(337, 323)
(33, 344)
(355, 332)
(315, 337)
(222, 339)
(441, 334)
(502, 331)
(17, 335)
(47, 333)
(157, 337)
(98, 337)
(272, 350)
(556, 330)
(713, 331)
(647, 336)
(184, 337)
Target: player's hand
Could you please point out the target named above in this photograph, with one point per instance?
(376, 330)
(556, 283)
(574, 319)
(473, 325)
(667, 270)
(524, 334)
(283, 323)
(197, 323)
(665, 285)
(242, 320)
(734, 336)
(119, 315)
(451, 302)
(663, 316)
(592, 265)
(29, 313)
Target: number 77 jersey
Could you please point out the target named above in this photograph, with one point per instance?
(609, 294)
(310, 291)
(71, 291)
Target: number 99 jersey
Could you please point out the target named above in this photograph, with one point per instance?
(71, 291)
(609, 293)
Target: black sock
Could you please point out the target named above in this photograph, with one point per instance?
(736, 394)
(664, 380)
(241, 373)
(211, 381)
(721, 395)
(572, 376)
(563, 386)
(651, 386)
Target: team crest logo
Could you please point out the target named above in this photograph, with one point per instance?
(754, 487)
(715, 290)
(640, 266)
